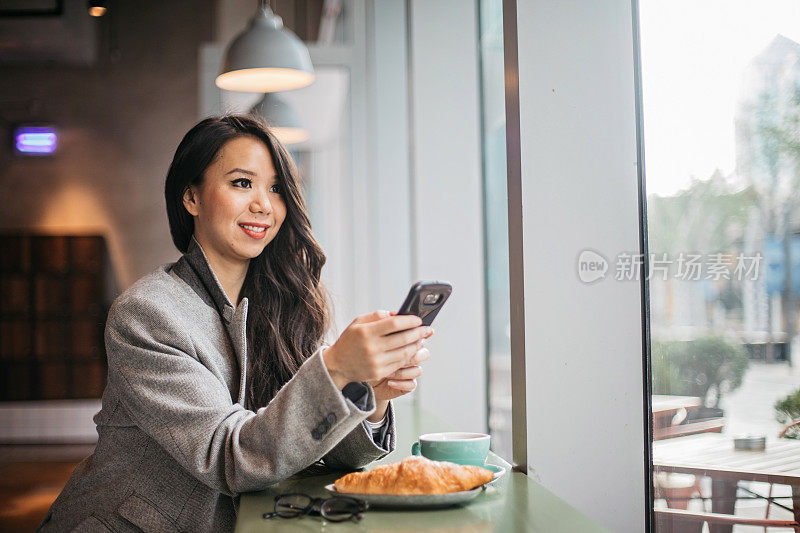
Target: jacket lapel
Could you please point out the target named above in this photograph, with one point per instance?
(234, 318)
(237, 330)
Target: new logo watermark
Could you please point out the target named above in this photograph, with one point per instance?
(592, 266)
(684, 266)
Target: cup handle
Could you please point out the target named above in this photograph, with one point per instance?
(415, 448)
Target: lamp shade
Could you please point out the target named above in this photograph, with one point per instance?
(266, 57)
(97, 8)
(282, 119)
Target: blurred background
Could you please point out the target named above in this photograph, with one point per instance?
(395, 138)
(399, 132)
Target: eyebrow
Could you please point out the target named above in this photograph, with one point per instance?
(241, 170)
(249, 173)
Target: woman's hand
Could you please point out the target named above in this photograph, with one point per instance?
(374, 347)
(402, 381)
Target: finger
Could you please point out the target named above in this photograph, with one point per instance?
(377, 382)
(407, 372)
(406, 385)
(420, 357)
(394, 360)
(371, 317)
(404, 338)
(393, 324)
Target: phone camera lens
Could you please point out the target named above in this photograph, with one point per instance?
(431, 299)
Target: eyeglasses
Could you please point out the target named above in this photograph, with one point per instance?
(336, 509)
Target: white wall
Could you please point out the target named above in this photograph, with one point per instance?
(389, 165)
(579, 190)
(447, 208)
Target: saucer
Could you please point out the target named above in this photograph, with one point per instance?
(497, 470)
(412, 501)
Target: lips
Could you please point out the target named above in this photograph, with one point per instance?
(255, 230)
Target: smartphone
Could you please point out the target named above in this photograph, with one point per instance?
(425, 299)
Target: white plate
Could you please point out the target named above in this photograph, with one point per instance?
(411, 500)
(420, 500)
(498, 471)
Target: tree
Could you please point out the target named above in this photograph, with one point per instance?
(710, 215)
(775, 155)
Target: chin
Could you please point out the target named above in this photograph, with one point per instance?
(251, 248)
(251, 252)
(254, 249)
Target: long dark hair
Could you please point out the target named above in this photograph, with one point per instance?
(288, 312)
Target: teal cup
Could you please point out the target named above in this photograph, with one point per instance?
(455, 447)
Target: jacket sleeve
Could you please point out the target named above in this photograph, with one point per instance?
(359, 447)
(183, 406)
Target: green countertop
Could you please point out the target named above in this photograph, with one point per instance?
(512, 503)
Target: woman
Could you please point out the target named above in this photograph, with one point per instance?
(218, 381)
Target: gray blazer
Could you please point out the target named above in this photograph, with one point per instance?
(176, 446)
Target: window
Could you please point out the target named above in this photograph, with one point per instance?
(721, 105)
(496, 230)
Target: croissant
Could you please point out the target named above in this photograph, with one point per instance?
(414, 475)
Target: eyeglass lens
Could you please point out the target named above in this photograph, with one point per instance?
(340, 509)
(333, 509)
(293, 505)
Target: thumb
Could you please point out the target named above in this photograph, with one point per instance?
(371, 317)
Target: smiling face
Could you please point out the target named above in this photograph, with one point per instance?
(238, 207)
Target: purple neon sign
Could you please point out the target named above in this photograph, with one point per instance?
(35, 140)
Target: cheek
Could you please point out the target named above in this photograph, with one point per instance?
(280, 212)
(223, 207)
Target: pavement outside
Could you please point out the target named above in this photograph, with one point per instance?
(749, 410)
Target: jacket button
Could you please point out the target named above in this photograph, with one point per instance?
(315, 435)
(331, 418)
(322, 428)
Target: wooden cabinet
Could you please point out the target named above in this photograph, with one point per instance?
(53, 305)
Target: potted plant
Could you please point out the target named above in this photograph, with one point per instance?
(707, 367)
(787, 409)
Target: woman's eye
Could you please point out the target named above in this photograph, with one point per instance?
(243, 183)
(276, 188)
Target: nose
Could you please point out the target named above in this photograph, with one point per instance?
(260, 202)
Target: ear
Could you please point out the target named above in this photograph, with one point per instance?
(190, 201)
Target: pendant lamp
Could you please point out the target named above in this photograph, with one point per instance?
(97, 8)
(266, 57)
(282, 119)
